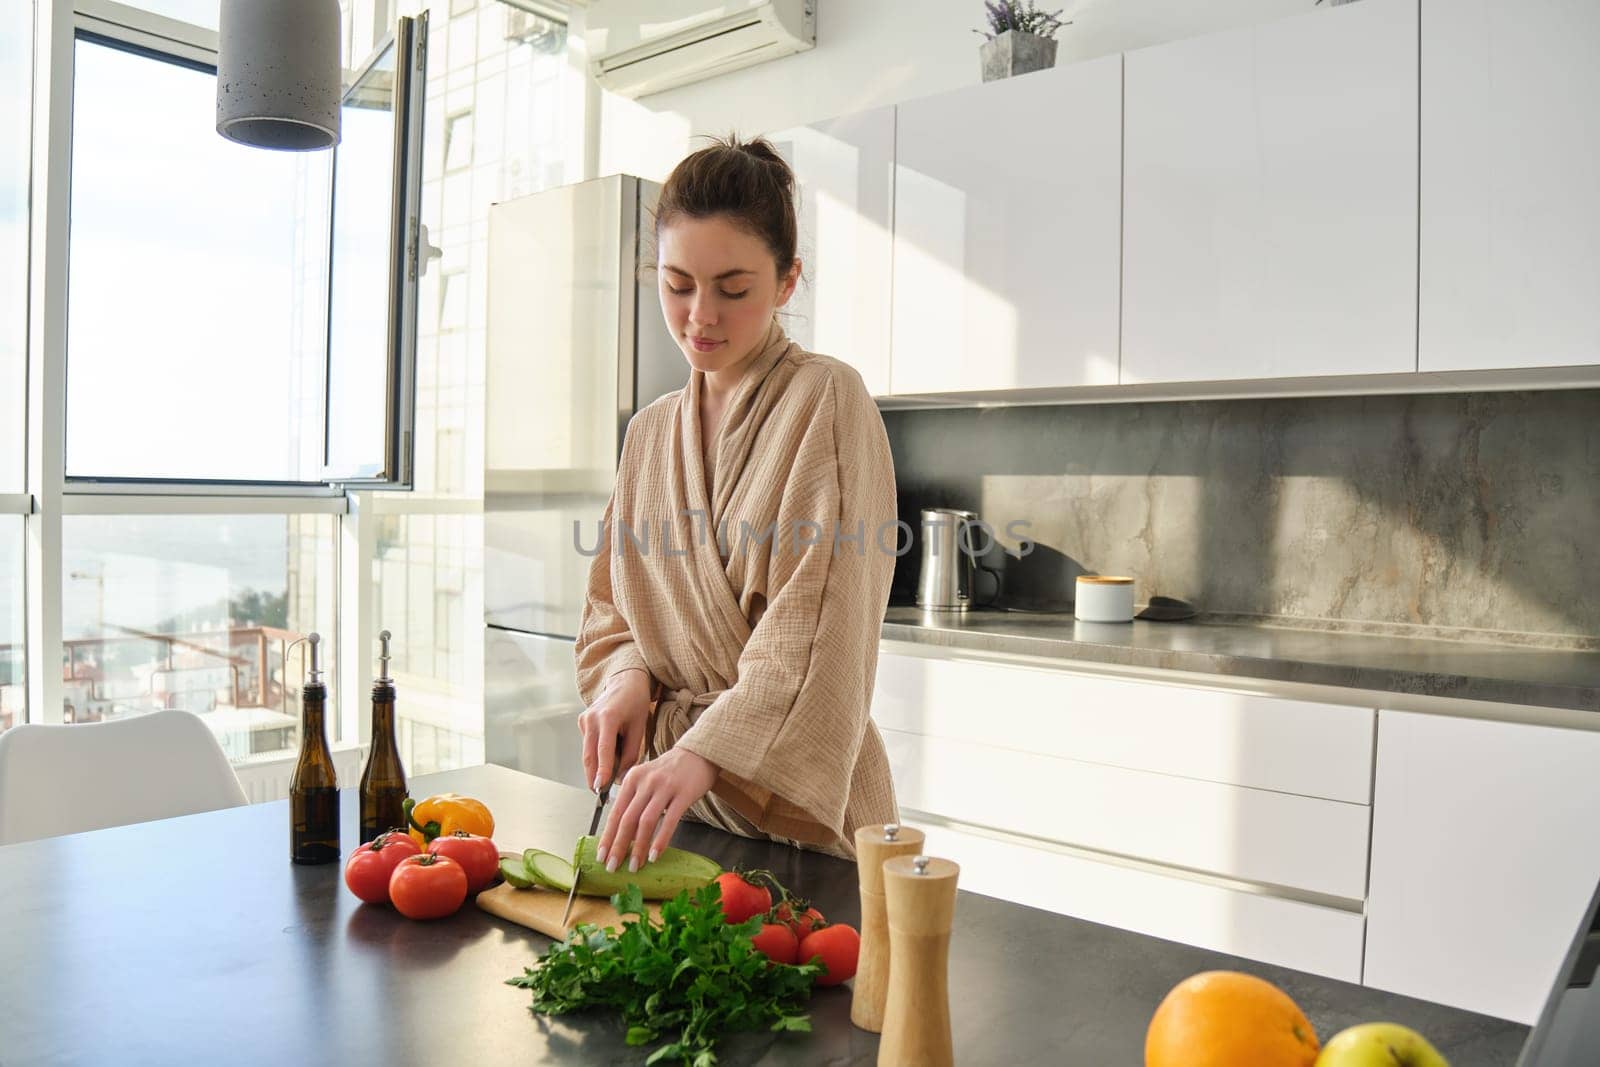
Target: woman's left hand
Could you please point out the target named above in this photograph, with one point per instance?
(659, 790)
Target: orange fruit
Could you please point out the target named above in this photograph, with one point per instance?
(1228, 1019)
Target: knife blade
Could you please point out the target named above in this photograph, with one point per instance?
(594, 827)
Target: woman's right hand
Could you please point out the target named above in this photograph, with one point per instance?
(613, 728)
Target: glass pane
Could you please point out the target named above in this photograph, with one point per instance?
(198, 612)
(358, 363)
(427, 581)
(197, 285)
(16, 93)
(458, 141)
(13, 664)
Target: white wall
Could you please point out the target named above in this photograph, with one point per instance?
(875, 52)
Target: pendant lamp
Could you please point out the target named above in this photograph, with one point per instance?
(278, 73)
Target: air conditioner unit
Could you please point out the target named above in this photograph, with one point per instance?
(640, 47)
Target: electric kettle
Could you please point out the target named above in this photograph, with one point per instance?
(949, 566)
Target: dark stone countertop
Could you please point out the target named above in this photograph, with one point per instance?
(196, 940)
(1435, 667)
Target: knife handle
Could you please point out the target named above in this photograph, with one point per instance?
(616, 761)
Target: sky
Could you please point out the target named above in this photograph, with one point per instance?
(184, 289)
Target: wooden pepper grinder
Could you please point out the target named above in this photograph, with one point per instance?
(920, 894)
(874, 844)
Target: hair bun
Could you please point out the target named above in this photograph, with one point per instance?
(763, 149)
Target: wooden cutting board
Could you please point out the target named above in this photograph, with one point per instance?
(540, 909)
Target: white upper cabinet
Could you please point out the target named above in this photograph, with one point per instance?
(845, 172)
(1483, 859)
(1007, 199)
(1270, 222)
(1510, 184)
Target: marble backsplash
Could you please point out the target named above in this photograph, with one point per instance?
(1477, 515)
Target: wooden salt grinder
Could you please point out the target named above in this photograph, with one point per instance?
(874, 844)
(920, 894)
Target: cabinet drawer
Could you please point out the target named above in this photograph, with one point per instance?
(1253, 835)
(1291, 746)
(1308, 937)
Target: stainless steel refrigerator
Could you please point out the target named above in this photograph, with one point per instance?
(576, 345)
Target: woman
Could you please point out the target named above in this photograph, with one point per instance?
(730, 637)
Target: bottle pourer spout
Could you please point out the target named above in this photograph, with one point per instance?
(383, 657)
(314, 671)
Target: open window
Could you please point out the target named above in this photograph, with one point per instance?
(237, 317)
(377, 251)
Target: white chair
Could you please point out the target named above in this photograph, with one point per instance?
(64, 779)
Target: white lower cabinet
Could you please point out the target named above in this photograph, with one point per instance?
(1484, 857)
(1213, 734)
(1221, 819)
(1253, 835)
(1258, 926)
(1245, 824)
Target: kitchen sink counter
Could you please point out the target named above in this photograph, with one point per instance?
(196, 940)
(1431, 667)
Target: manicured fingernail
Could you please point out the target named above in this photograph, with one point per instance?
(600, 853)
(633, 865)
(652, 858)
(597, 781)
(611, 865)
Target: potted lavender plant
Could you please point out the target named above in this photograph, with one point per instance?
(1020, 38)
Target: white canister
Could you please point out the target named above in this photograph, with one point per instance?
(1103, 598)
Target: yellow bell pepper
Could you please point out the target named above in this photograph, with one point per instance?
(442, 815)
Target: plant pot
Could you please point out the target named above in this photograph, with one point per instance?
(1016, 53)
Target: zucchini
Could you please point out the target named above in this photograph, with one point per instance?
(515, 872)
(673, 871)
(548, 869)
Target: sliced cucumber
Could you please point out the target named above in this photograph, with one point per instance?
(548, 869)
(515, 872)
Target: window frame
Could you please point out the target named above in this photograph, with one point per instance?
(163, 39)
(407, 241)
(50, 494)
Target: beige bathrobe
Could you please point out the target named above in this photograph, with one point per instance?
(753, 593)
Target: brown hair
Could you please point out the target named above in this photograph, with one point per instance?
(746, 181)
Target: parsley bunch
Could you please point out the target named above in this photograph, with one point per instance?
(692, 974)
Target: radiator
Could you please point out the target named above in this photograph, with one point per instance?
(270, 780)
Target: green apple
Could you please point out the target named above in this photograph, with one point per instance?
(1380, 1045)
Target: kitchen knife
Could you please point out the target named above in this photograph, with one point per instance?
(594, 827)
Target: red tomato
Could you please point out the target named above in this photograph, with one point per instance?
(476, 854)
(740, 899)
(839, 946)
(776, 942)
(428, 886)
(368, 870)
(801, 921)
